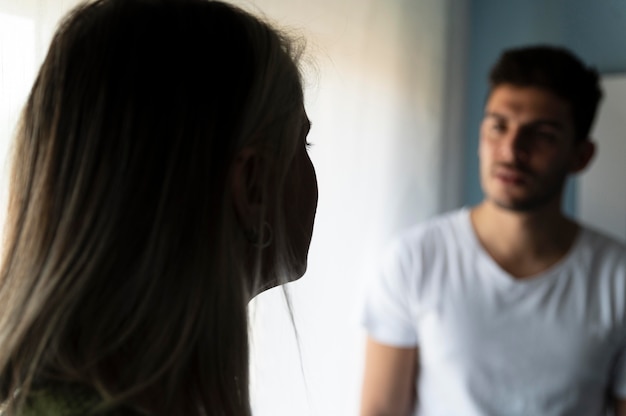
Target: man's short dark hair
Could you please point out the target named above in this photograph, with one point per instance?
(557, 70)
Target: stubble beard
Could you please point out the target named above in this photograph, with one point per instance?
(535, 201)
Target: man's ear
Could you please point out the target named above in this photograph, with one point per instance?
(584, 153)
(246, 186)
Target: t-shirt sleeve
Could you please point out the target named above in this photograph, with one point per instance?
(388, 312)
(618, 376)
(618, 384)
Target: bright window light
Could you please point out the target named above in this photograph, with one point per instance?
(17, 73)
(17, 69)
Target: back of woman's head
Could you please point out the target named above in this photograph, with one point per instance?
(125, 267)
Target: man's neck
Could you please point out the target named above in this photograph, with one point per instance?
(524, 243)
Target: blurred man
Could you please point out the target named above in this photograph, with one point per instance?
(508, 308)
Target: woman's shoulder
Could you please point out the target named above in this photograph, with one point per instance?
(70, 400)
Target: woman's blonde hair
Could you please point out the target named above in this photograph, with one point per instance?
(124, 263)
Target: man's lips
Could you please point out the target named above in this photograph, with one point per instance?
(510, 175)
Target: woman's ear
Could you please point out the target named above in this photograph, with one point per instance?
(246, 186)
(584, 153)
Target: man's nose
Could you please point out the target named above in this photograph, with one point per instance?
(513, 147)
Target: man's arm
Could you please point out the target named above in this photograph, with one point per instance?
(620, 407)
(389, 380)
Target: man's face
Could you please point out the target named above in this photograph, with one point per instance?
(527, 147)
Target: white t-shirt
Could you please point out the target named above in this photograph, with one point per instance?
(493, 345)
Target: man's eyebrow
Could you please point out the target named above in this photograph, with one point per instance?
(491, 114)
(547, 123)
(541, 122)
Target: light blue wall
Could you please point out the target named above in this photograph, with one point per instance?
(594, 30)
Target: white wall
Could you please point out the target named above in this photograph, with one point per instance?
(601, 194)
(384, 101)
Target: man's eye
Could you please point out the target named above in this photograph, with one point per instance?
(545, 135)
(498, 127)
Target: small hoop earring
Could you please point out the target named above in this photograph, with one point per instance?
(254, 237)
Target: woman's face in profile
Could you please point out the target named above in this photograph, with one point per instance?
(300, 195)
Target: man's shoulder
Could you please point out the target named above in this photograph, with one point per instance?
(439, 226)
(601, 244)
(433, 238)
(601, 255)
